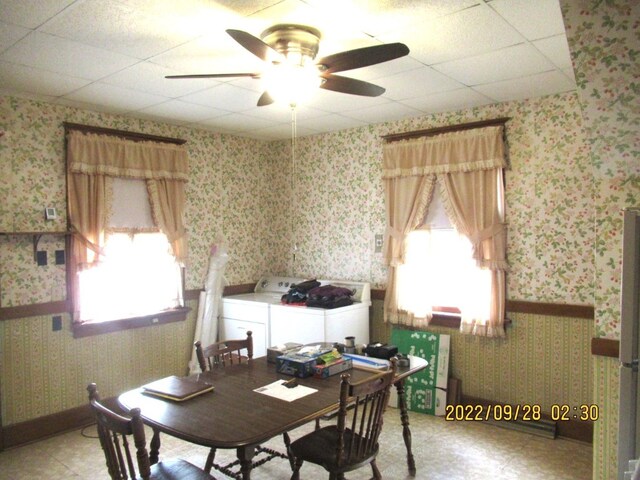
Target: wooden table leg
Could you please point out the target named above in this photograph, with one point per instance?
(154, 450)
(245, 455)
(406, 432)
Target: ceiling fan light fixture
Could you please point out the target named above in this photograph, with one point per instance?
(291, 83)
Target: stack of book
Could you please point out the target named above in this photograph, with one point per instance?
(177, 388)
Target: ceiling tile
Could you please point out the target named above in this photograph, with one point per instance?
(376, 17)
(280, 113)
(189, 37)
(555, 49)
(12, 92)
(120, 98)
(469, 32)
(527, 87)
(238, 122)
(332, 123)
(448, 101)
(63, 56)
(510, 62)
(117, 27)
(534, 20)
(94, 107)
(10, 34)
(31, 13)
(38, 82)
(414, 83)
(570, 74)
(225, 97)
(382, 113)
(281, 132)
(182, 111)
(216, 52)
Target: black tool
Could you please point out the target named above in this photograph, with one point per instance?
(291, 383)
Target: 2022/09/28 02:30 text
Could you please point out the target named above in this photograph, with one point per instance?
(525, 412)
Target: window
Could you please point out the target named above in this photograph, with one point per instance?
(430, 265)
(137, 275)
(126, 204)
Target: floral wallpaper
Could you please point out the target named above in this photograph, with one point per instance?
(604, 39)
(219, 208)
(339, 199)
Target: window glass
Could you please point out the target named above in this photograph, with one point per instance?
(137, 275)
(439, 270)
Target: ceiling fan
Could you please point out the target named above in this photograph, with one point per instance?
(292, 70)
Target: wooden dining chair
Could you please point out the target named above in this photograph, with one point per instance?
(219, 355)
(223, 353)
(113, 432)
(353, 441)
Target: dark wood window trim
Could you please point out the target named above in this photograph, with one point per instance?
(125, 134)
(430, 132)
(96, 328)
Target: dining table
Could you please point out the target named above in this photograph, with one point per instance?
(236, 416)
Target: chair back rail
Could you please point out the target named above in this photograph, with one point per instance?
(367, 401)
(113, 431)
(220, 353)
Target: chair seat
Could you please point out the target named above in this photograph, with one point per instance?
(178, 470)
(319, 447)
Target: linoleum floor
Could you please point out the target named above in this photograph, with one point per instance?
(443, 451)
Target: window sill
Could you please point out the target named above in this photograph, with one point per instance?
(97, 328)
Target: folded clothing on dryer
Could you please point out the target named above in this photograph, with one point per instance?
(297, 294)
(329, 296)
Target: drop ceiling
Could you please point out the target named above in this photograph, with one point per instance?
(112, 56)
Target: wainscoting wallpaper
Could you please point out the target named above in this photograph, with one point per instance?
(44, 372)
(544, 360)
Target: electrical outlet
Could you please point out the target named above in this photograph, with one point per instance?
(60, 257)
(56, 323)
(379, 241)
(41, 258)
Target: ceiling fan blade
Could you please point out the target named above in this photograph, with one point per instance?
(253, 44)
(215, 75)
(340, 84)
(265, 99)
(362, 57)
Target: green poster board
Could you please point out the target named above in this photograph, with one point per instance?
(425, 391)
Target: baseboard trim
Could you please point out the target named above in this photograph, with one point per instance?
(572, 429)
(50, 425)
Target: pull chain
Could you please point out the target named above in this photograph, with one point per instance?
(294, 135)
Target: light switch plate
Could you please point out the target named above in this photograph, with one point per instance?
(379, 241)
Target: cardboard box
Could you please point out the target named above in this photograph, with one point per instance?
(426, 390)
(324, 371)
(277, 350)
(298, 364)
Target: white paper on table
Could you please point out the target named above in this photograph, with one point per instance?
(278, 390)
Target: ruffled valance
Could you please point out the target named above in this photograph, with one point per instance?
(464, 151)
(93, 154)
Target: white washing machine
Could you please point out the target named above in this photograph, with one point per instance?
(274, 323)
(250, 311)
(311, 324)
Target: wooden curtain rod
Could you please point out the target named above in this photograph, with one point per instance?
(430, 132)
(135, 136)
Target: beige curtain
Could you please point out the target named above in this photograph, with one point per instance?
(86, 207)
(469, 163)
(92, 159)
(167, 201)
